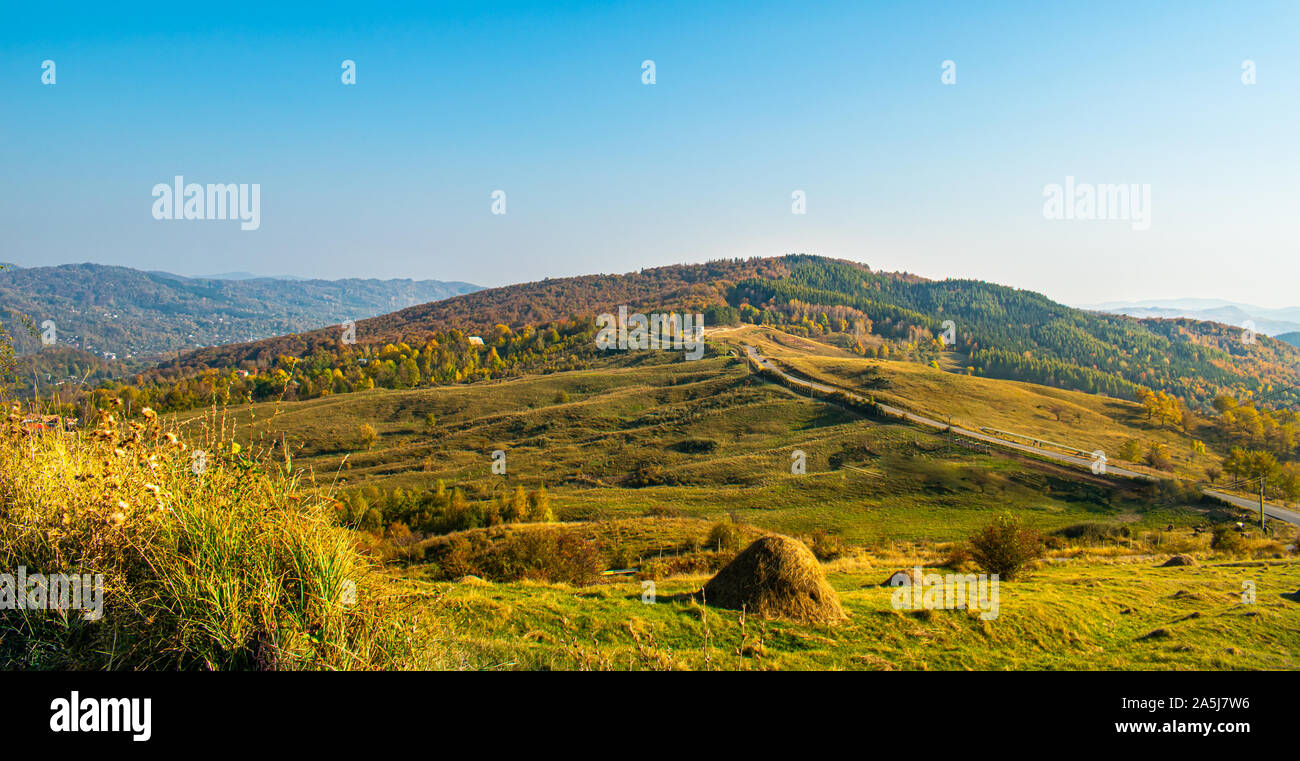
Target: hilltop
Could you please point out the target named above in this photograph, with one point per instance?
(995, 331)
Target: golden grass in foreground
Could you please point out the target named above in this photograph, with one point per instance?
(1086, 614)
(230, 565)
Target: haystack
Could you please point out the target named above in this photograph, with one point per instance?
(775, 577)
(904, 577)
(1178, 560)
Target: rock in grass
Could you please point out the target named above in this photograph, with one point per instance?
(776, 577)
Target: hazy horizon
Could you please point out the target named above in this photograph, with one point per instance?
(1141, 301)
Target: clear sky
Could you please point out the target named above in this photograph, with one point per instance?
(393, 176)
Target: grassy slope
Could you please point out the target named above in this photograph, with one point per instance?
(1089, 422)
(908, 489)
(1065, 616)
(904, 482)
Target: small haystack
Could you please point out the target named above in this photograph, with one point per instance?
(1178, 560)
(775, 577)
(904, 577)
(473, 581)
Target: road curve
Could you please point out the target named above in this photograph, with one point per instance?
(1272, 511)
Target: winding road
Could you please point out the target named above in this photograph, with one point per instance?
(1270, 510)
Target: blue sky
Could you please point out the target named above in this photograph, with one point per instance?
(392, 176)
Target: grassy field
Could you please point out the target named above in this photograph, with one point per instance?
(645, 456)
(1095, 613)
(1083, 421)
(715, 440)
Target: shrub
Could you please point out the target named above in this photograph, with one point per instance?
(1228, 540)
(826, 546)
(725, 536)
(1158, 457)
(649, 474)
(539, 506)
(368, 435)
(1131, 451)
(686, 564)
(542, 554)
(1094, 533)
(958, 558)
(1005, 546)
(228, 565)
(695, 446)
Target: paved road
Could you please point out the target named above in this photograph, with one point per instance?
(1272, 511)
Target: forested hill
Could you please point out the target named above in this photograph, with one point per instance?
(693, 286)
(1000, 332)
(132, 314)
(1022, 335)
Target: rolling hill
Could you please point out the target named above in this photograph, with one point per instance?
(653, 465)
(133, 314)
(996, 331)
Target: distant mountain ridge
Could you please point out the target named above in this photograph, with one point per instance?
(132, 314)
(1270, 322)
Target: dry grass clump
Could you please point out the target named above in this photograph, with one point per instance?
(212, 561)
(776, 577)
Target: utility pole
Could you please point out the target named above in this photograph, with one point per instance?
(1261, 505)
